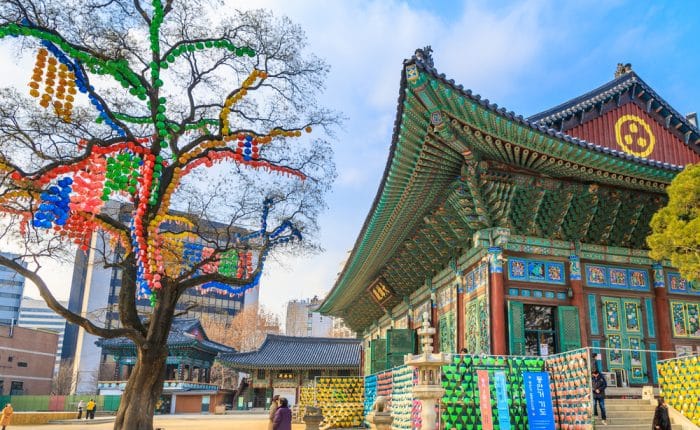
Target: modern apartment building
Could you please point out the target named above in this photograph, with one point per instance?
(303, 319)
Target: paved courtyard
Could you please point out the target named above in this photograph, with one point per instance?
(180, 422)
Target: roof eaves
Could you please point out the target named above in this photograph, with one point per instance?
(539, 126)
(328, 305)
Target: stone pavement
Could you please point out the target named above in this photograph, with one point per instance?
(178, 422)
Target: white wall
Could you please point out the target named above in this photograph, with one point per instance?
(86, 365)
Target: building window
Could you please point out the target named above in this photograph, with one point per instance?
(2, 387)
(314, 374)
(21, 364)
(345, 372)
(16, 388)
(261, 373)
(9, 359)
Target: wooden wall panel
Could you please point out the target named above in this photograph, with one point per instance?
(666, 147)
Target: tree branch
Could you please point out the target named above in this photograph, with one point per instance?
(64, 312)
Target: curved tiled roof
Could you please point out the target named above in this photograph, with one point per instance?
(539, 122)
(180, 336)
(280, 352)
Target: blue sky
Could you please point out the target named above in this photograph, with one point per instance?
(526, 56)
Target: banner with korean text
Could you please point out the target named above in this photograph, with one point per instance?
(538, 397)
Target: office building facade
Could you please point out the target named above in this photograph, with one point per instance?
(11, 290)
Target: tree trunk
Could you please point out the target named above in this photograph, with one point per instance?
(145, 385)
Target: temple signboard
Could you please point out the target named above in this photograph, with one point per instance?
(380, 291)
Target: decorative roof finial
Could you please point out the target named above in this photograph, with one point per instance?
(622, 69)
(425, 55)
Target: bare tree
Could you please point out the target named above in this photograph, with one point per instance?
(63, 378)
(244, 332)
(179, 118)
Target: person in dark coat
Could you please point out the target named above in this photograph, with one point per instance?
(283, 416)
(661, 419)
(599, 386)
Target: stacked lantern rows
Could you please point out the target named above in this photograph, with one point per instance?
(570, 387)
(396, 385)
(679, 380)
(370, 395)
(461, 400)
(415, 414)
(402, 398)
(341, 401)
(59, 84)
(306, 398)
(385, 384)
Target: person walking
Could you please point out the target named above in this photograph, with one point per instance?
(599, 386)
(6, 417)
(273, 409)
(81, 406)
(90, 410)
(661, 418)
(283, 416)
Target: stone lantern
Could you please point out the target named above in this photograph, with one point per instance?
(428, 390)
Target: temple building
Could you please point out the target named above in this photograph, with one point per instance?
(523, 236)
(187, 387)
(283, 365)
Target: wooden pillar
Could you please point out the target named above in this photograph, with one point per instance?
(434, 320)
(662, 314)
(362, 358)
(460, 315)
(497, 301)
(117, 368)
(578, 297)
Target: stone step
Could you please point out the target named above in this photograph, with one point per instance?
(619, 407)
(626, 421)
(99, 420)
(629, 414)
(643, 426)
(626, 401)
(637, 423)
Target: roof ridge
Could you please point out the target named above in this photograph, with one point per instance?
(543, 127)
(577, 103)
(311, 338)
